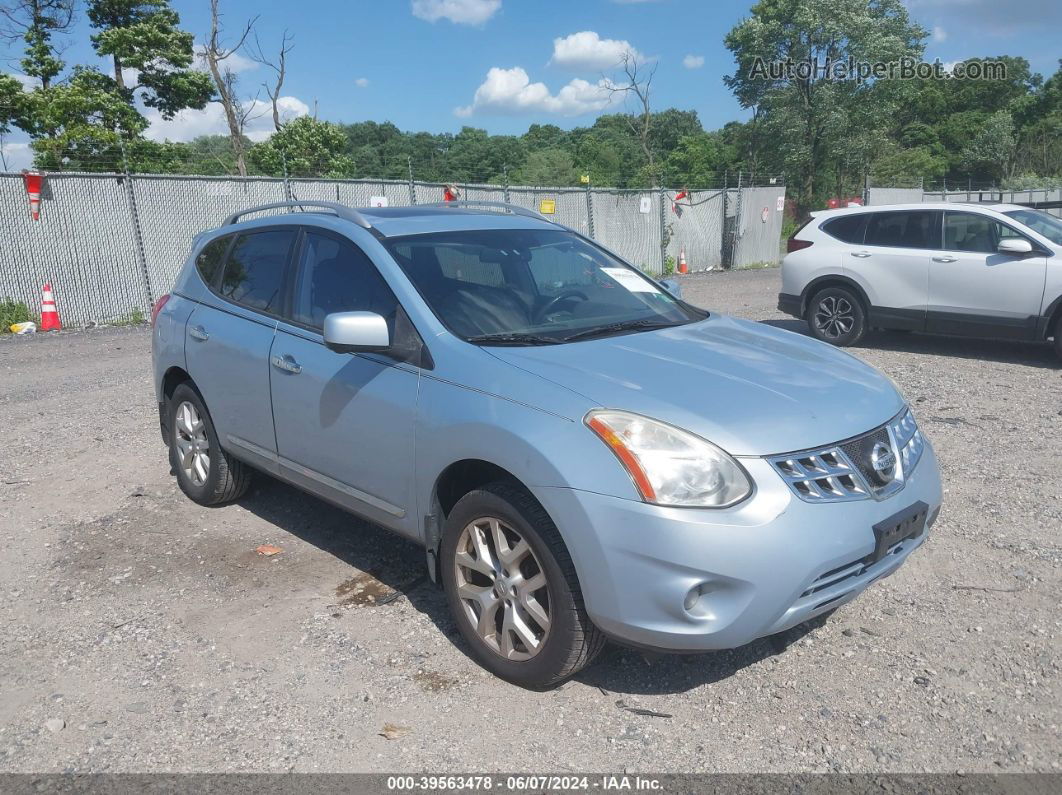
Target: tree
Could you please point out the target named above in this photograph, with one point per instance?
(35, 22)
(806, 114)
(697, 161)
(547, 167)
(992, 151)
(237, 113)
(145, 45)
(638, 83)
(280, 69)
(305, 147)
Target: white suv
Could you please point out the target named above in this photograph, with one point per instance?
(948, 268)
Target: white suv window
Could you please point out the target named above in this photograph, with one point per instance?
(974, 232)
(904, 229)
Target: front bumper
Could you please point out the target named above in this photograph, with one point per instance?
(759, 568)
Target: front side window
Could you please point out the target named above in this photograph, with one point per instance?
(336, 276)
(254, 274)
(974, 232)
(520, 286)
(1039, 221)
(904, 229)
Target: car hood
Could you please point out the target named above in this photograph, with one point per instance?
(750, 388)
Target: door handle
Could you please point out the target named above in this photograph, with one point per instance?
(286, 363)
(861, 254)
(198, 333)
(945, 259)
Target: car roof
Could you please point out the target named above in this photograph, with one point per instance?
(997, 207)
(398, 221)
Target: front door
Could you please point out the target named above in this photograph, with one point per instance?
(344, 422)
(976, 289)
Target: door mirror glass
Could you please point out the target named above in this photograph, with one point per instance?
(1015, 245)
(351, 332)
(672, 286)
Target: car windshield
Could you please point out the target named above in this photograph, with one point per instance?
(1039, 221)
(532, 287)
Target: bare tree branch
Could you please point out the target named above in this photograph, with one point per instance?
(638, 83)
(279, 68)
(215, 53)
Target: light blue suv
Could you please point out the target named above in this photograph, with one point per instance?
(582, 454)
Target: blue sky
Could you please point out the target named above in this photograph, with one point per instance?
(419, 63)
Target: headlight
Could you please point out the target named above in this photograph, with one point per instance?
(670, 466)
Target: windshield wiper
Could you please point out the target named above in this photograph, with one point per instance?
(624, 325)
(508, 338)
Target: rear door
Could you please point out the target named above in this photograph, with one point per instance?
(894, 263)
(344, 422)
(975, 289)
(228, 339)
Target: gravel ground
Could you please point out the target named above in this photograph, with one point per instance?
(141, 632)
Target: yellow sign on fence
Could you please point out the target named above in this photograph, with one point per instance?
(547, 206)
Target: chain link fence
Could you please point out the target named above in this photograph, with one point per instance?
(1049, 199)
(112, 243)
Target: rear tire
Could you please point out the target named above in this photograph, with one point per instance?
(836, 315)
(509, 577)
(206, 473)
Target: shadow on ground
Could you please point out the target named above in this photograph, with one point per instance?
(1034, 354)
(399, 565)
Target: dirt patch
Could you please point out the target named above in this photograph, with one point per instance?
(433, 681)
(362, 590)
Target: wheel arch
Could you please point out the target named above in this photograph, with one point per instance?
(1053, 316)
(171, 379)
(833, 280)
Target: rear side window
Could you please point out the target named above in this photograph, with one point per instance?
(211, 258)
(254, 273)
(847, 228)
(914, 229)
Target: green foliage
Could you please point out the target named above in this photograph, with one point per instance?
(306, 147)
(12, 311)
(135, 317)
(547, 167)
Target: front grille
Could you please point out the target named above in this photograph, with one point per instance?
(843, 471)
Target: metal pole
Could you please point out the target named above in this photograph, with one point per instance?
(589, 210)
(287, 183)
(737, 222)
(138, 233)
(663, 231)
(412, 185)
(505, 184)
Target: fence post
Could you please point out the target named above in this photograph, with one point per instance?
(505, 184)
(138, 232)
(287, 183)
(736, 234)
(663, 231)
(412, 185)
(589, 210)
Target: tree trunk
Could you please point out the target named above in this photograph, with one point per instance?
(235, 133)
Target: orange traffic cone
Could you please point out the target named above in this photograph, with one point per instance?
(49, 315)
(682, 267)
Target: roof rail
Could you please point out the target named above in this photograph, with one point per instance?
(515, 209)
(341, 210)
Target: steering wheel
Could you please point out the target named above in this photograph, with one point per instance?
(560, 298)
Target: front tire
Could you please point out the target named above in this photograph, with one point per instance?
(1058, 338)
(206, 473)
(836, 315)
(512, 589)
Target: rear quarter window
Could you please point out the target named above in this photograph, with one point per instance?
(847, 228)
(254, 273)
(211, 259)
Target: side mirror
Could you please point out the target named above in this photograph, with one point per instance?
(1015, 245)
(354, 332)
(672, 286)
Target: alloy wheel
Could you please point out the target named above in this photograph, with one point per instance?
(193, 446)
(502, 588)
(834, 316)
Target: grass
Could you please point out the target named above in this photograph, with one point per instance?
(136, 317)
(12, 311)
(756, 266)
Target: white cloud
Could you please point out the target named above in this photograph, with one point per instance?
(587, 50)
(17, 156)
(362, 82)
(511, 91)
(939, 34)
(693, 61)
(190, 124)
(460, 12)
(28, 83)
